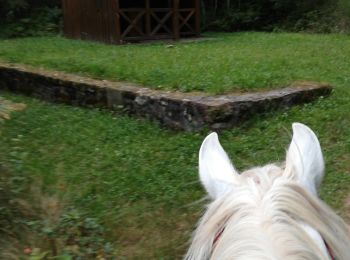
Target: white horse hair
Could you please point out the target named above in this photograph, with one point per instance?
(269, 212)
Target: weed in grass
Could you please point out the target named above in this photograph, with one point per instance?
(44, 227)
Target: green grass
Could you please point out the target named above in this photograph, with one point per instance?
(228, 62)
(139, 180)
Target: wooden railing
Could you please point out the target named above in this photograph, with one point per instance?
(155, 23)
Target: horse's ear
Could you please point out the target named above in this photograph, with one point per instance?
(304, 158)
(215, 169)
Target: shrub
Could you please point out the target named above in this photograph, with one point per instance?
(21, 18)
(42, 227)
(318, 16)
(343, 12)
(41, 22)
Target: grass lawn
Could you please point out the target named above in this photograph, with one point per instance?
(229, 62)
(95, 183)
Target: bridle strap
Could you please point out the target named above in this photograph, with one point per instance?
(217, 237)
(330, 251)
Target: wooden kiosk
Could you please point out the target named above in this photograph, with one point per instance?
(118, 21)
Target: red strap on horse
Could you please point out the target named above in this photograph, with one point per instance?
(218, 235)
(330, 251)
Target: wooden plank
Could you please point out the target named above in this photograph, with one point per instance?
(71, 18)
(105, 21)
(113, 19)
(82, 11)
(134, 10)
(117, 10)
(198, 17)
(148, 18)
(176, 30)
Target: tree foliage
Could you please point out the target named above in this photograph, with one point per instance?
(29, 17)
(314, 15)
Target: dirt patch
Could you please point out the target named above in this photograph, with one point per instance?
(6, 107)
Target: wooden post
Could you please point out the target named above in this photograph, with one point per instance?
(198, 17)
(148, 18)
(112, 22)
(117, 17)
(176, 29)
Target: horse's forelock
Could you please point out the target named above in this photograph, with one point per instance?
(267, 210)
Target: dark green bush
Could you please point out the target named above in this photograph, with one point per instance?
(20, 18)
(235, 21)
(42, 21)
(271, 15)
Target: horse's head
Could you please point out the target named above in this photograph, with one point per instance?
(269, 212)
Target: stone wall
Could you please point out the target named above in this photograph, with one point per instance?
(186, 111)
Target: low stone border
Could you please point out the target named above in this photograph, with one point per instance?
(187, 111)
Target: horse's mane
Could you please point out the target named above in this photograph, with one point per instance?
(264, 218)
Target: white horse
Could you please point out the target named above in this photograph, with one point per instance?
(269, 212)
